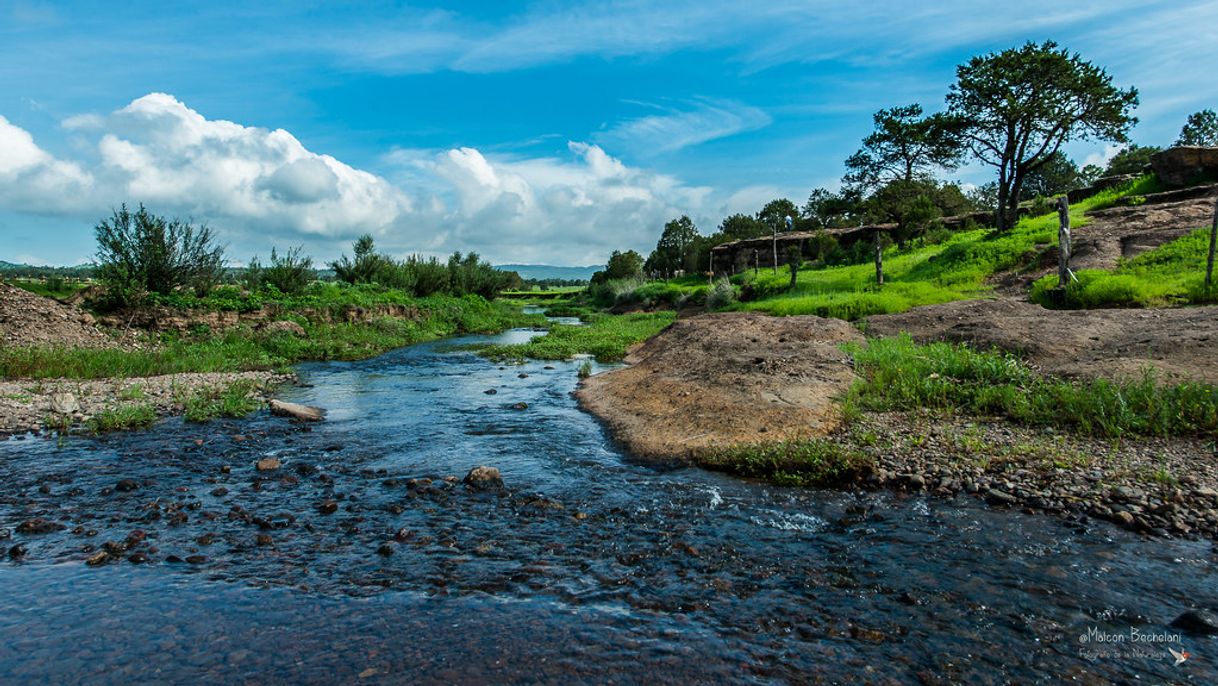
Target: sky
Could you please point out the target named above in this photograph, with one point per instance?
(536, 133)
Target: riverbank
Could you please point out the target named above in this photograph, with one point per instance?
(807, 401)
(60, 370)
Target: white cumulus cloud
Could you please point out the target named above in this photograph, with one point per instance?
(262, 187)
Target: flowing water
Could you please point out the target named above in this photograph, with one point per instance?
(346, 565)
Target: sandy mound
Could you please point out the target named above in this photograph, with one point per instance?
(27, 319)
(1178, 343)
(723, 379)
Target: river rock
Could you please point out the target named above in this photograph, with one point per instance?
(483, 479)
(64, 403)
(38, 526)
(305, 413)
(126, 485)
(268, 464)
(1195, 622)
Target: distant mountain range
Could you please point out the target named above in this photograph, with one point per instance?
(547, 271)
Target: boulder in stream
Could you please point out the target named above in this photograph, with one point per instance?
(305, 413)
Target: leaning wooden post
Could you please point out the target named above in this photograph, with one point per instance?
(1209, 262)
(879, 259)
(1063, 243)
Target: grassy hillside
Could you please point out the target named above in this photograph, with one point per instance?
(956, 269)
(1172, 274)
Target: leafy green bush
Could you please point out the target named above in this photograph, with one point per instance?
(139, 253)
(290, 273)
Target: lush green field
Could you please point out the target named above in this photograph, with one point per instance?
(605, 337)
(898, 374)
(956, 269)
(1172, 274)
(53, 287)
(242, 348)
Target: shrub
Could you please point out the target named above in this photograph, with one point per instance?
(289, 274)
(139, 253)
(722, 295)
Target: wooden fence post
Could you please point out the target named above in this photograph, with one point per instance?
(1209, 262)
(879, 259)
(1064, 275)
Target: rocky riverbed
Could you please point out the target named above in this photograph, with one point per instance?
(1154, 486)
(33, 405)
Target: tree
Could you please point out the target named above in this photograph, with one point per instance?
(1200, 130)
(828, 210)
(139, 252)
(903, 146)
(367, 267)
(908, 204)
(674, 247)
(738, 227)
(1133, 159)
(624, 265)
(1056, 176)
(774, 215)
(1018, 107)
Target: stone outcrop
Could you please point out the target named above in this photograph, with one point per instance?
(1184, 165)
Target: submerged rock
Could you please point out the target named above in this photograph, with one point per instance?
(305, 413)
(268, 464)
(1195, 622)
(483, 479)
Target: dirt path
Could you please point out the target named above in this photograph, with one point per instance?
(724, 379)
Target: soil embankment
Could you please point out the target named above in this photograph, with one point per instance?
(29, 405)
(724, 379)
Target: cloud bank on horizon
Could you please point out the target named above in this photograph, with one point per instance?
(543, 133)
(249, 181)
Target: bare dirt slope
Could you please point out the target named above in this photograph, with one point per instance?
(1178, 344)
(27, 319)
(716, 380)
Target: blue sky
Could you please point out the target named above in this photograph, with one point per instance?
(548, 132)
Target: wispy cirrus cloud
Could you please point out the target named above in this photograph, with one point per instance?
(673, 129)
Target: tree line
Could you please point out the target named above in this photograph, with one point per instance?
(140, 254)
(1012, 111)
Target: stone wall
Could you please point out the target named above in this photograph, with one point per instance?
(1185, 165)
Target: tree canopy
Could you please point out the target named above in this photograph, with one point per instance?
(1019, 106)
(903, 146)
(1201, 129)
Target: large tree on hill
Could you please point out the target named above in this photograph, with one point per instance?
(1132, 159)
(741, 226)
(827, 210)
(1201, 129)
(1019, 106)
(904, 145)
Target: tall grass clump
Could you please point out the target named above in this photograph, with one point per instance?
(898, 374)
(605, 337)
(815, 462)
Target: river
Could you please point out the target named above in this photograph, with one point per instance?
(347, 566)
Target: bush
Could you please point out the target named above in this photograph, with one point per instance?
(722, 295)
(289, 274)
(140, 253)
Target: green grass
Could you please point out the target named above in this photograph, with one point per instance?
(605, 337)
(957, 269)
(235, 400)
(1171, 274)
(50, 288)
(816, 462)
(123, 418)
(243, 349)
(898, 374)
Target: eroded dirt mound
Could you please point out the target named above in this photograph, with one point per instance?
(27, 319)
(1178, 344)
(717, 380)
